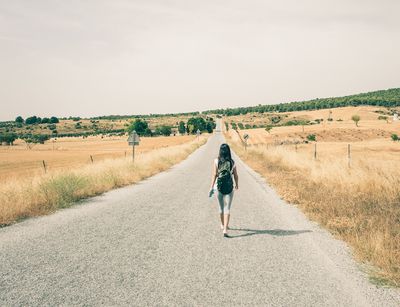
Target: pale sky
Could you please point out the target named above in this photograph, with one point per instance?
(98, 57)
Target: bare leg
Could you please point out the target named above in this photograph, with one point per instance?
(226, 221)
(222, 219)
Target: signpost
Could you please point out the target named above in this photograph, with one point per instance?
(133, 140)
(198, 134)
(245, 137)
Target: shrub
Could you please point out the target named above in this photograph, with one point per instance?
(356, 118)
(395, 137)
(311, 137)
(275, 119)
(234, 126)
(296, 122)
(227, 126)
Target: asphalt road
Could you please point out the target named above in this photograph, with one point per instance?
(159, 242)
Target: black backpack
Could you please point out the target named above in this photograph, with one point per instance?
(224, 180)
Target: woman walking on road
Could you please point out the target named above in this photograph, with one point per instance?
(223, 169)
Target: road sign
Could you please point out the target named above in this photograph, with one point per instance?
(133, 140)
(245, 137)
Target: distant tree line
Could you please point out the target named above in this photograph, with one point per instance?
(191, 126)
(385, 98)
(116, 117)
(36, 120)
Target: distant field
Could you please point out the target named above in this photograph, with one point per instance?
(340, 117)
(70, 126)
(370, 126)
(66, 153)
(357, 199)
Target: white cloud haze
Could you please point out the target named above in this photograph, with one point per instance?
(97, 57)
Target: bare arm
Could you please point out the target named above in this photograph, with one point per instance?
(214, 176)
(235, 175)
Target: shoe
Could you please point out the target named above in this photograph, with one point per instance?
(226, 235)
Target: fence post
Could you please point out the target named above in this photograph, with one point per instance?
(133, 152)
(348, 155)
(315, 151)
(91, 158)
(44, 166)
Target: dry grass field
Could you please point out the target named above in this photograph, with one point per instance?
(340, 116)
(359, 202)
(17, 161)
(25, 196)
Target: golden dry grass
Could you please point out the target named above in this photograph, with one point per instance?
(339, 116)
(360, 204)
(65, 153)
(32, 196)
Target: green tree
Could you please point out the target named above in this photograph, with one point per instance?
(148, 132)
(54, 120)
(164, 130)
(190, 129)
(356, 118)
(8, 138)
(41, 138)
(45, 120)
(31, 120)
(140, 126)
(210, 126)
(181, 127)
(19, 120)
(198, 123)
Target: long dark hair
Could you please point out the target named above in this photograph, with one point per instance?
(225, 154)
